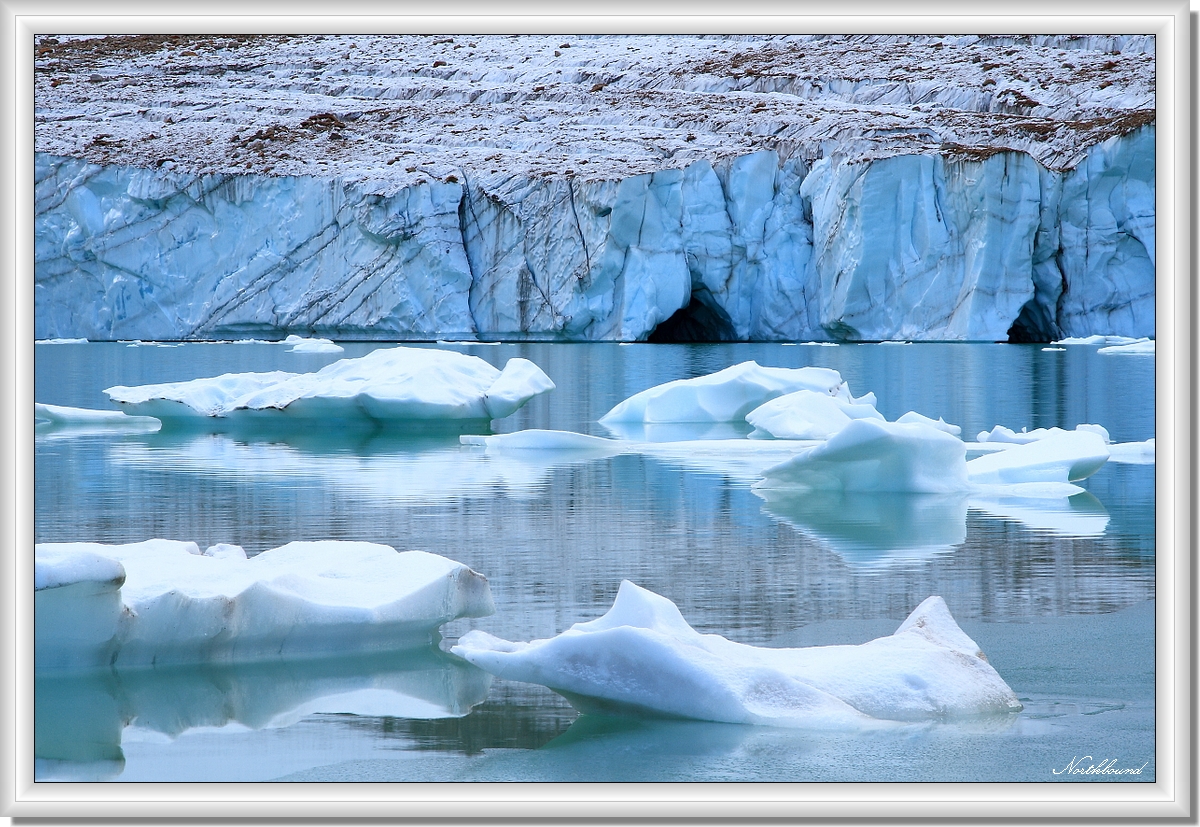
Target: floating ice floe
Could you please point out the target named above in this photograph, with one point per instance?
(390, 385)
(1139, 347)
(63, 341)
(1133, 453)
(873, 455)
(1098, 340)
(1001, 434)
(643, 658)
(725, 396)
(1065, 457)
(88, 419)
(300, 344)
(807, 415)
(163, 601)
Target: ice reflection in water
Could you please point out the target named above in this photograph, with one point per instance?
(81, 719)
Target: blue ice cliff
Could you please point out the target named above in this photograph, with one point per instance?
(617, 188)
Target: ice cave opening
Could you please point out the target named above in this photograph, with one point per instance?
(696, 322)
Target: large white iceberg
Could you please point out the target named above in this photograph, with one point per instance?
(163, 601)
(725, 396)
(872, 455)
(388, 385)
(643, 657)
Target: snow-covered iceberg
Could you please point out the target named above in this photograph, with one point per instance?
(163, 601)
(47, 417)
(1065, 457)
(807, 415)
(643, 657)
(389, 386)
(873, 455)
(725, 396)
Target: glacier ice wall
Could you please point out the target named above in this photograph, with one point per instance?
(762, 247)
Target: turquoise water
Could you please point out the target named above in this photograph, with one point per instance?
(1060, 598)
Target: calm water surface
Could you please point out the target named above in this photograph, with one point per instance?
(1059, 594)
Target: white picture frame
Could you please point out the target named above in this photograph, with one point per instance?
(1172, 795)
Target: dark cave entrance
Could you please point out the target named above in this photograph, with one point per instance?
(697, 322)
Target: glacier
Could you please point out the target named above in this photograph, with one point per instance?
(690, 194)
(165, 602)
(643, 657)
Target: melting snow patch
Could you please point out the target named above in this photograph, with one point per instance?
(643, 657)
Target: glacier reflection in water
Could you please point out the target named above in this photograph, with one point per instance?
(555, 534)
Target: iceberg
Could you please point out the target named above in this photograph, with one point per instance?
(389, 386)
(725, 396)
(299, 344)
(939, 423)
(806, 415)
(1133, 453)
(873, 455)
(48, 417)
(1064, 457)
(163, 601)
(642, 657)
(1141, 347)
(1001, 434)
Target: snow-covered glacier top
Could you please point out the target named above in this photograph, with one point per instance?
(389, 111)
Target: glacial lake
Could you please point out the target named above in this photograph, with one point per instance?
(1059, 594)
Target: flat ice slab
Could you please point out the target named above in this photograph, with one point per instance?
(1139, 347)
(90, 419)
(163, 601)
(1001, 434)
(400, 384)
(872, 455)
(725, 396)
(1064, 457)
(643, 657)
